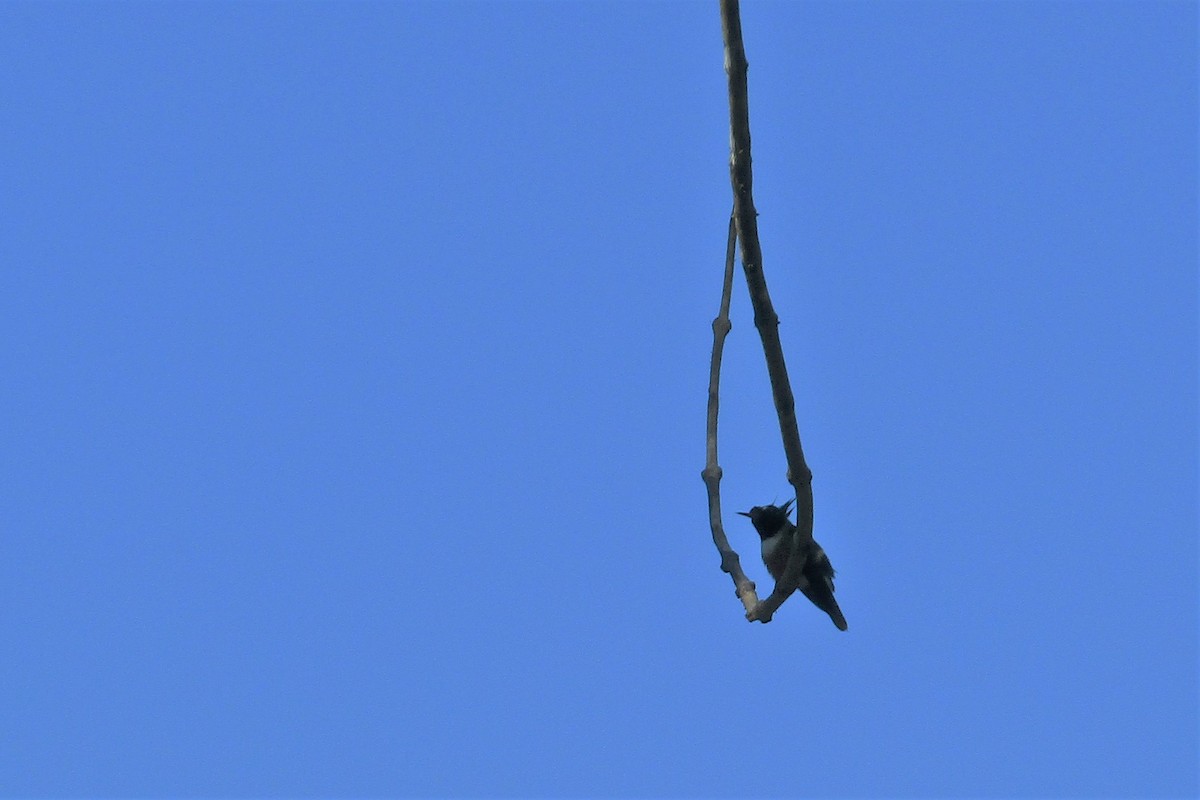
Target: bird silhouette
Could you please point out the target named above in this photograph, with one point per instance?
(779, 538)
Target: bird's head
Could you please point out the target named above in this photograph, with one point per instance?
(769, 520)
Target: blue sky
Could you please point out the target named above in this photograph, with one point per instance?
(354, 368)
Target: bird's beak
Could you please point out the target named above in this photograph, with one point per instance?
(744, 513)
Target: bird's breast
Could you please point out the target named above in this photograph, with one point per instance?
(775, 553)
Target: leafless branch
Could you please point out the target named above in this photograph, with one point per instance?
(711, 474)
(765, 318)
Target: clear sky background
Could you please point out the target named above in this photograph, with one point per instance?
(354, 364)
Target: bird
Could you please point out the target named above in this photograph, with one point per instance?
(779, 537)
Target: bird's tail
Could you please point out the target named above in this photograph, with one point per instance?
(829, 605)
(835, 614)
(826, 602)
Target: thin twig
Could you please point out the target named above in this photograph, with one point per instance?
(765, 318)
(711, 473)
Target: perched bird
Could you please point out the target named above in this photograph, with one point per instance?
(778, 539)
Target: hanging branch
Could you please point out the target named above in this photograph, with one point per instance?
(765, 318)
(711, 474)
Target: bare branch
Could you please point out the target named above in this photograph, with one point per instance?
(765, 318)
(711, 474)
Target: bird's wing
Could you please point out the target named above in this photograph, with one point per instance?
(819, 590)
